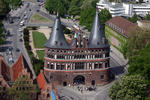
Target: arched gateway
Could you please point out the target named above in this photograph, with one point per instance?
(79, 79)
(81, 60)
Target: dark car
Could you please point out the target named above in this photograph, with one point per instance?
(17, 49)
(21, 40)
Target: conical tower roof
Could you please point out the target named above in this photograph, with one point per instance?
(97, 37)
(57, 38)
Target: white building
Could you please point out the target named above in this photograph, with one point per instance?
(124, 9)
(115, 9)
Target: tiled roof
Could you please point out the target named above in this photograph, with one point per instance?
(17, 67)
(121, 23)
(41, 81)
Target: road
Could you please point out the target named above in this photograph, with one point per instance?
(13, 41)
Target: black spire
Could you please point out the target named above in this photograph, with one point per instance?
(57, 38)
(97, 37)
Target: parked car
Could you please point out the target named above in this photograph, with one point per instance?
(21, 40)
(20, 30)
(17, 49)
(25, 17)
(22, 23)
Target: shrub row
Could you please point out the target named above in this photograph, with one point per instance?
(37, 64)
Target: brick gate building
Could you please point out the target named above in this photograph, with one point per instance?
(84, 61)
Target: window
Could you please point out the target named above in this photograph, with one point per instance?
(102, 77)
(51, 77)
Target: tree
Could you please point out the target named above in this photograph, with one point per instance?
(87, 17)
(138, 39)
(131, 87)
(104, 16)
(13, 3)
(133, 19)
(89, 3)
(2, 36)
(4, 9)
(147, 17)
(141, 64)
(56, 5)
(140, 1)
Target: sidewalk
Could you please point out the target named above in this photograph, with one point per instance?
(118, 56)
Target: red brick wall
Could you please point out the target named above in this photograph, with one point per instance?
(58, 77)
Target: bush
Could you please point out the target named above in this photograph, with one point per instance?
(32, 27)
(66, 31)
(37, 64)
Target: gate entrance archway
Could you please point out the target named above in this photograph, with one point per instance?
(79, 79)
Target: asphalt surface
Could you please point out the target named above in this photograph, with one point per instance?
(13, 40)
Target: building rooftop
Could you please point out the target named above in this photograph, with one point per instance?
(57, 38)
(121, 23)
(41, 81)
(97, 37)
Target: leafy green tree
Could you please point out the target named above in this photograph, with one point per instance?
(56, 5)
(134, 18)
(104, 16)
(141, 64)
(140, 1)
(88, 3)
(4, 9)
(2, 36)
(147, 17)
(13, 3)
(74, 11)
(139, 39)
(87, 17)
(131, 87)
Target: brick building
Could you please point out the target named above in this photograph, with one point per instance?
(117, 31)
(83, 61)
(17, 77)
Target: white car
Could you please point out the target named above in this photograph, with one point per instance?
(20, 30)
(25, 17)
(22, 23)
(25, 12)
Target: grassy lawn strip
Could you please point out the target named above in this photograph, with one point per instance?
(39, 39)
(40, 54)
(37, 18)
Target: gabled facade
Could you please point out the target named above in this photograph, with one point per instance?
(84, 61)
(17, 77)
(4, 78)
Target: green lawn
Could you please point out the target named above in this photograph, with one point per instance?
(37, 18)
(40, 54)
(39, 39)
